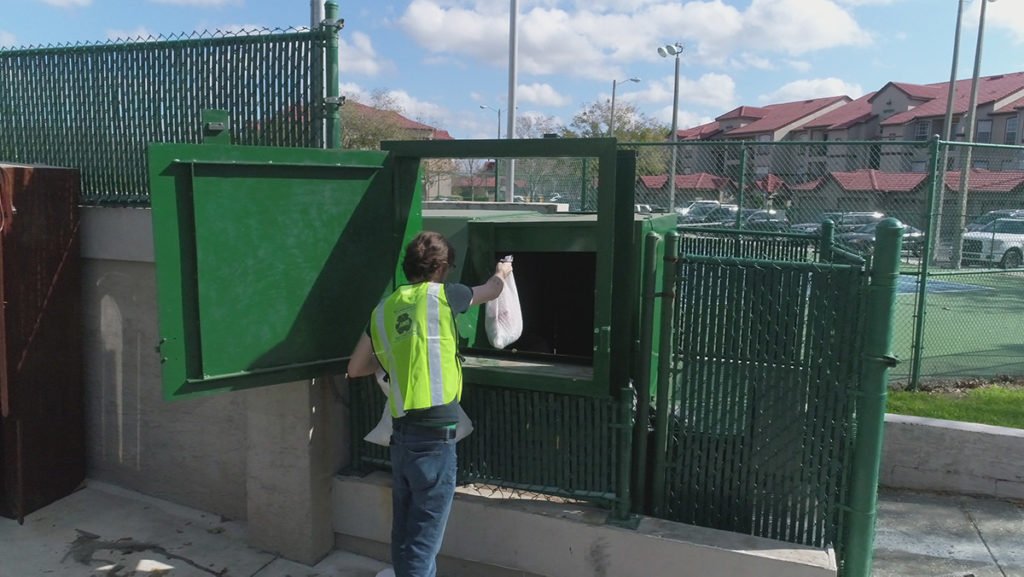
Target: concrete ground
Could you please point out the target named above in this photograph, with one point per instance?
(105, 531)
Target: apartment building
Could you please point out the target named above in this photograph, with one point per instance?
(898, 112)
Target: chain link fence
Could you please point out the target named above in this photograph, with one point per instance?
(95, 106)
(958, 288)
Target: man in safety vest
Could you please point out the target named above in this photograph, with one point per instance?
(412, 336)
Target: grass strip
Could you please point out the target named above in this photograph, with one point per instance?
(990, 405)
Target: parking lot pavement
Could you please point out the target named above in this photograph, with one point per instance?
(937, 535)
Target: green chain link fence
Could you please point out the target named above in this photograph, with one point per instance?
(95, 107)
(951, 322)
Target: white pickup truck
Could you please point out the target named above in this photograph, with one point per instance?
(998, 242)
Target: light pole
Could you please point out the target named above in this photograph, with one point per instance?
(611, 117)
(498, 110)
(965, 166)
(666, 51)
(935, 233)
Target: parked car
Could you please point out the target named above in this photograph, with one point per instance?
(862, 240)
(684, 210)
(760, 220)
(696, 213)
(998, 242)
(845, 221)
(994, 214)
(716, 216)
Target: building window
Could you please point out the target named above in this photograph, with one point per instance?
(921, 129)
(980, 165)
(1011, 130)
(917, 166)
(984, 133)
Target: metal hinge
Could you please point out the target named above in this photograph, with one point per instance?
(335, 100)
(336, 24)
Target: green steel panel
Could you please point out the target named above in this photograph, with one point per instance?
(257, 249)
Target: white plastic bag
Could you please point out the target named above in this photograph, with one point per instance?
(503, 318)
(381, 434)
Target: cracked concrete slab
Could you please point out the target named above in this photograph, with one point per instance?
(935, 535)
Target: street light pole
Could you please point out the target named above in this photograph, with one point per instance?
(611, 117)
(666, 51)
(947, 133)
(965, 166)
(498, 110)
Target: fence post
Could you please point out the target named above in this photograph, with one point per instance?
(826, 241)
(874, 379)
(666, 358)
(652, 243)
(332, 102)
(931, 238)
(741, 193)
(623, 500)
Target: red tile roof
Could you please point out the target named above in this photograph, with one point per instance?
(917, 91)
(845, 116)
(988, 181)
(878, 181)
(699, 132)
(399, 120)
(693, 181)
(744, 112)
(770, 183)
(781, 115)
(990, 89)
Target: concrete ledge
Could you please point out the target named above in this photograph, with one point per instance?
(963, 458)
(542, 207)
(534, 538)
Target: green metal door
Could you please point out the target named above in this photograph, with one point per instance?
(269, 260)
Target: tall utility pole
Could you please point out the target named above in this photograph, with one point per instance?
(965, 166)
(611, 116)
(935, 232)
(513, 78)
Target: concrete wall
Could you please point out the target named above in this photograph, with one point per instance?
(266, 455)
(962, 458)
(515, 537)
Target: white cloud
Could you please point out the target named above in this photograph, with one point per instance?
(716, 91)
(426, 112)
(541, 94)
(67, 3)
(354, 91)
(867, 2)
(203, 3)
(7, 39)
(1004, 16)
(812, 88)
(357, 55)
(598, 41)
(799, 65)
(140, 32)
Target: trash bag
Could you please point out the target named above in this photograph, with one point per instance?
(503, 318)
(381, 434)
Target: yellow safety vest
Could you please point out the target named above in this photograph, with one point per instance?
(415, 338)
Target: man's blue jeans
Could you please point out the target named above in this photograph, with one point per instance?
(423, 472)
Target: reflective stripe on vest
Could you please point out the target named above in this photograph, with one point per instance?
(414, 335)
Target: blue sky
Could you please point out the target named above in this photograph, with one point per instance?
(443, 59)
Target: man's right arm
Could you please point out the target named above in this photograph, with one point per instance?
(363, 362)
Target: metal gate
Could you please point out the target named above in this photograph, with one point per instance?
(765, 422)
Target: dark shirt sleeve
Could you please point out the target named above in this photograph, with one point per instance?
(459, 297)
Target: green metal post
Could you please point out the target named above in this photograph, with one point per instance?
(652, 243)
(741, 194)
(666, 359)
(583, 188)
(623, 499)
(332, 102)
(931, 241)
(826, 241)
(880, 301)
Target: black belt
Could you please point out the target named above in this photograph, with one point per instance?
(443, 433)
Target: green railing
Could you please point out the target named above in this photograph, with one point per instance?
(95, 107)
(544, 444)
